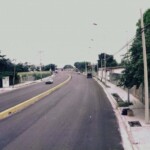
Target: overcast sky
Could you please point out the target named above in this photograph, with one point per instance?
(63, 29)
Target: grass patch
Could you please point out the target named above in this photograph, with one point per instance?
(117, 97)
(32, 73)
(120, 102)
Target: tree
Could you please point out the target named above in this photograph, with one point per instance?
(68, 67)
(32, 67)
(6, 66)
(7, 69)
(110, 61)
(50, 67)
(134, 73)
(81, 66)
(20, 67)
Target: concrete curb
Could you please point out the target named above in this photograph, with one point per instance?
(23, 105)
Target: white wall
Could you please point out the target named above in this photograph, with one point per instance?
(117, 70)
(101, 72)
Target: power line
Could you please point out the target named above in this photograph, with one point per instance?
(142, 29)
(125, 45)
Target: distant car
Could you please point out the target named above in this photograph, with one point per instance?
(89, 75)
(56, 71)
(49, 81)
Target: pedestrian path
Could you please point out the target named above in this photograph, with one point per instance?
(139, 136)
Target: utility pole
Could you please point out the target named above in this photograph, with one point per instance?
(145, 72)
(85, 68)
(97, 69)
(40, 53)
(128, 96)
(14, 72)
(105, 69)
(93, 69)
(101, 70)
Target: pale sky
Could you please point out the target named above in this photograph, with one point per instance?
(63, 29)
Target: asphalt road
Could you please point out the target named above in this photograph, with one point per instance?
(15, 97)
(78, 116)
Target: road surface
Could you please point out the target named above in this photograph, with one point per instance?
(78, 116)
(15, 97)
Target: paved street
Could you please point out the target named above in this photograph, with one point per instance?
(78, 116)
(14, 97)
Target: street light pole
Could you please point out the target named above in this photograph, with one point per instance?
(85, 68)
(40, 52)
(105, 69)
(97, 69)
(14, 72)
(101, 70)
(145, 72)
(128, 95)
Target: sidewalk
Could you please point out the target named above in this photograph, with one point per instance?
(139, 136)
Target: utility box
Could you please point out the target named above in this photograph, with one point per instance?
(5, 82)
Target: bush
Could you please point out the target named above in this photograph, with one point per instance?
(117, 97)
(37, 75)
(124, 104)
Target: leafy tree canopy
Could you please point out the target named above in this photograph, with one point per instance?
(20, 67)
(134, 68)
(110, 61)
(81, 66)
(50, 67)
(68, 67)
(6, 66)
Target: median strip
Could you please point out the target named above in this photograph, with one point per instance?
(21, 106)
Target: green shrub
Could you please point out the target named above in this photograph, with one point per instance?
(41, 75)
(37, 75)
(117, 97)
(124, 104)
